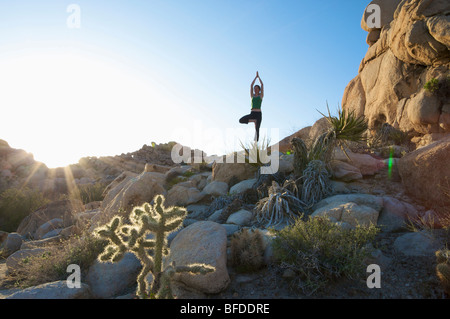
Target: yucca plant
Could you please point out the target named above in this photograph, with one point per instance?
(316, 183)
(346, 126)
(279, 206)
(257, 154)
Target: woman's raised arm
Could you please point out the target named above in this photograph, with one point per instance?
(253, 83)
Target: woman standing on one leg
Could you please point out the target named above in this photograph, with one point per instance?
(257, 94)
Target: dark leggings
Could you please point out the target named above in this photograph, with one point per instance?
(253, 116)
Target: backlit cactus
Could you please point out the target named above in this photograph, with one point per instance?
(443, 268)
(134, 238)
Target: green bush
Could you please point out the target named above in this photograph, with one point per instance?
(320, 251)
(16, 204)
(432, 85)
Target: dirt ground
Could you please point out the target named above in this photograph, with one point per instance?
(402, 278)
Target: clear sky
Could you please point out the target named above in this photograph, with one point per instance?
(143, 71)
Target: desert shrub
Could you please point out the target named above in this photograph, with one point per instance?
(432, 85)
(443, 268)
(320, 251)
(316, 183)
(387, 135)
(247, 251)
(52, 265)
(281, 205)
(16, 204)
(174, 181)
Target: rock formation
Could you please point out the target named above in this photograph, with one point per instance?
(410, 49)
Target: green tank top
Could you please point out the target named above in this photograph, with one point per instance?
(256, 102)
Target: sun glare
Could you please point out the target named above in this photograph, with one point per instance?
(61, 107)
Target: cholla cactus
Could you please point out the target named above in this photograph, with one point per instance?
(133, 238)
(443, 268)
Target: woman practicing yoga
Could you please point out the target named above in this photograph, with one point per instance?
(257, 94)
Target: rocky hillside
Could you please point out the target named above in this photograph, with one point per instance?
(18, 168)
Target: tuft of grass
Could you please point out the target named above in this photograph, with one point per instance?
(52, 265)
(91, 192)
(320, 251)
(257, 153)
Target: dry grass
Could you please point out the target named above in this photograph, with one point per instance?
(52, 265)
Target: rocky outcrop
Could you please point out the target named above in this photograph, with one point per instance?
(425, 173)
(410, 49)
(63, 210)
(132, 192)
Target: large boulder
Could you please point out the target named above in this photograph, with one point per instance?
(365, 163)
(396, 214)
(242, 186)
(425, 172)
(349, 214)
(53, 290)
(12, 244)
(285, 144)
(418, 244)
(49, 226)
(344, 171)
(180, 195)
(111, 279)
(204, 243)
(135, 192)
(216, 188)
(228, 172)
(350, 210)
(15, 261)
(63, 209)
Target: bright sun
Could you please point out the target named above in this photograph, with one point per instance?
(61, 107)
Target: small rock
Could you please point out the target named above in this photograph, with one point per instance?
(111, 279)
(53, 290)
(240, 218)
(12, 244)
(216, 188)
(242, 186)
(230, 229)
